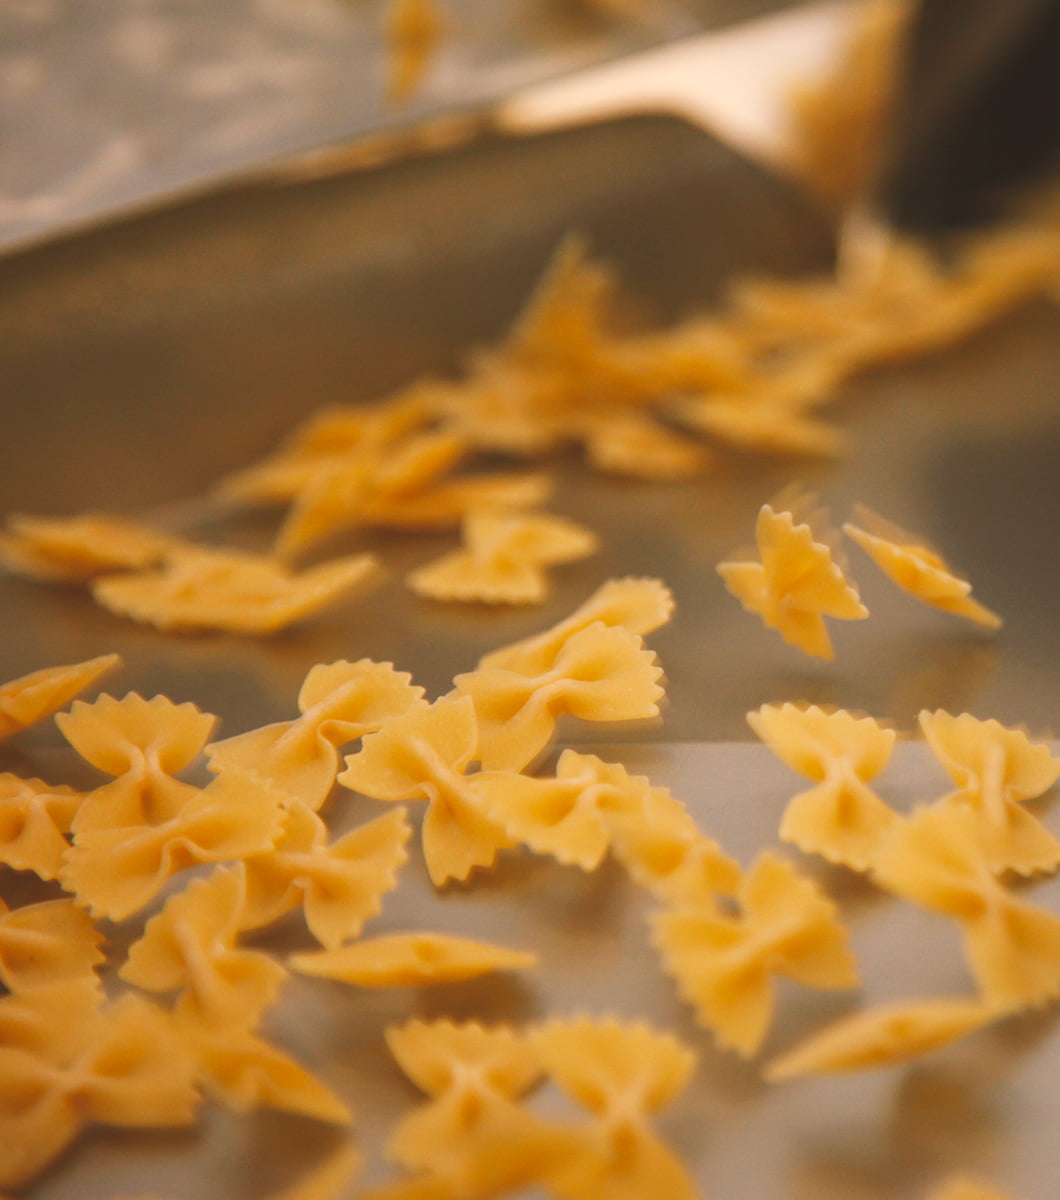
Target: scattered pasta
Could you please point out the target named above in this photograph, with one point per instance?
(31, 698)
(72, 549)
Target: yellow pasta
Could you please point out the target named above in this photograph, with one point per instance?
(632, 444)
(31, 698)
(200, 588)
(794, 583)
(882, 1036)
(622, 1074)
(723, 964)
(503, 559)
(841, 818)
(34, 816)
(191, 945)
(339, 885)
(764, 420)
(996, 769)
(116, 871)
(49, 1021)
(916, 567)
(940, 858)
(73, 549)
(339, 702)
(422, 755)
(411, 960)
(46, 942)
(601, 673)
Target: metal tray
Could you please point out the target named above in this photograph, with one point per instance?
(142, 360)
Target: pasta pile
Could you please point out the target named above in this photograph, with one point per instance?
(188, 1017)
(796, 575)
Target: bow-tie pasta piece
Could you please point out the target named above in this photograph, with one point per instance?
(446, 504)
(34, 816)
(996, 769)
(73, 549)
(339, 885)
(233, 592)
(245, 1072)
(916, 567)
(724, 965)
(766, 419)
(622, 1074)
(940, 858)
(191, 945)
(639, 605)
(31, 698)
(144, 743)
(796, 580)
(411, 960)
(339, 702)
(118, 871)
(601, 674)
(422, 755)
(130, 1068)
(50, 1021)
(638, 447)
(46, 942)
(841, 818)
(503, 559)
(881, 1036)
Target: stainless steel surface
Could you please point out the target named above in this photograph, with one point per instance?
(140, 362)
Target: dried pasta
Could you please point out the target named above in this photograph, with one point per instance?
(723, 964)
(46, 942)
(504, 558)
(882, 1036)
(199, 588)
(411, 960)
(73, 549)
(31, 698)
(996, 769)
(794, 583)
(841, 818)
(34, 817)
(916, 567)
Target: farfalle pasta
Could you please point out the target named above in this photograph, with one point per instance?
(841, 818)
(916, 566)
(602, 673)
(339, 702)
(996, 769)
(423, 755)
(941, 858)
(198, 588)
(411, 960)
(338, 884)
(504, 558)
(46, 942)
(31, 698)
(73, 549)
(34, 818)
(724, 964)
(881, 1036)
(623, 1074)
(794, 582)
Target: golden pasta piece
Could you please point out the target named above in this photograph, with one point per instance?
(638, 605)
(413, 30)
(411, 960)
(569, 815)
(760, 421)
(34, 816)
(339, 703)
(117, 871)
(504, 557)
(226, 590)
(246, 1072)
(622, 1074)
(723, 964)
(795, 583)
(916, 567)
(339, 885)
(440, 1055)
(638, 447)
(130, 1069)
(940, 858)
(46, 942)
(601, 673)
(879, 1037)
(448, 503)
(841, 818)
(72, 549)
(422, 755)
(49, 1021)
(995, 769)
(31, 698)
(191, 945)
